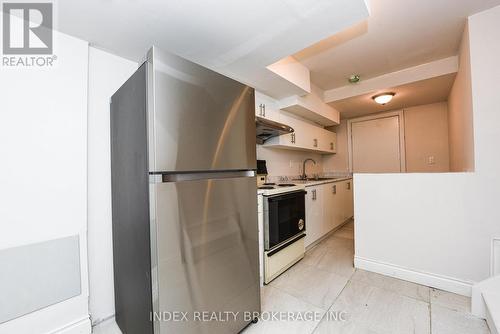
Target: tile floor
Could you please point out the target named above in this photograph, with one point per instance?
(325, 282)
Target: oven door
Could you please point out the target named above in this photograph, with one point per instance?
(284, 217)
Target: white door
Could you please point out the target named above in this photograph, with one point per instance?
(376, 146)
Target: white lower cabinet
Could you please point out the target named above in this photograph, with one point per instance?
(350, 201)
(327, 206)
(346, 207)
(314, 214)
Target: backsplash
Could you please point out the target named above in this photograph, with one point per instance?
(286, 165)
(285, 178)
(337, 174)
(288, 162)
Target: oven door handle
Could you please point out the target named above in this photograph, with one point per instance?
(285, 196)
(286, 244)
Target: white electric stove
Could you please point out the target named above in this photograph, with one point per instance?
(282, 225)
(268, 189)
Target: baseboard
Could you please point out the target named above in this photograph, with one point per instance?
(449, 284)
(82, 326)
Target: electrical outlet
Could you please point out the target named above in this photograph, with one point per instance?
(431, 160)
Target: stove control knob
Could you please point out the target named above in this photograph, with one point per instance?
(301, 224)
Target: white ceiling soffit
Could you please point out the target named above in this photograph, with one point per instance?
(398, 34)
(427, 91)
(236, 38)
(408, 75)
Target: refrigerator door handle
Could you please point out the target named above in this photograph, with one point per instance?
(163, 177)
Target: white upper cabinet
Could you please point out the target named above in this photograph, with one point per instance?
(327, 141)
(306, 137)
(311, 107)
(266, 107)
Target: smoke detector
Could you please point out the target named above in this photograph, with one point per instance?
(354, 78)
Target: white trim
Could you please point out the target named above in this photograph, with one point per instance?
(445, 283)
(82, 326)
(402, 143)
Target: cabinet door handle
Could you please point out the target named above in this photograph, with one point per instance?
(331, 146)
(348, 185)
(314, 194)
(293, 138)
(260, 109)
(264, 109)
(334, 189)
(315, 143)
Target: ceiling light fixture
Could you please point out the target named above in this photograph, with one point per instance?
(383, 98)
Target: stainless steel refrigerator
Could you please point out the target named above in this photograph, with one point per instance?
(185, 235)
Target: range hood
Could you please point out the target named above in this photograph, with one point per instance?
(267, 129)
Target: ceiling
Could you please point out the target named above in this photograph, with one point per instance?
(235, 38)
(416, 93)
(398, 34)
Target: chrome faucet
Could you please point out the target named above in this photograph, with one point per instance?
(304, 176)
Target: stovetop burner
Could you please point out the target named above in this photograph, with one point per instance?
(270, 184)
(286, 185)
(266, 187)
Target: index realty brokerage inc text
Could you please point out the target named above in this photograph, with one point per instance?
(225, 316)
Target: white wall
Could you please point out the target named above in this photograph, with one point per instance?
(293, 71)
(282, 162)
(485, 59)
(424, 223)
(426, 135)
(43, 169)
(460, 120)
(107, 73)
(436, 229)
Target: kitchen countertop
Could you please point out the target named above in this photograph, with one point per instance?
(278, 190)
(310, 183)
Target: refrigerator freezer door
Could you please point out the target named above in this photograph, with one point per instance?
(202, 120)
(207, 252)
